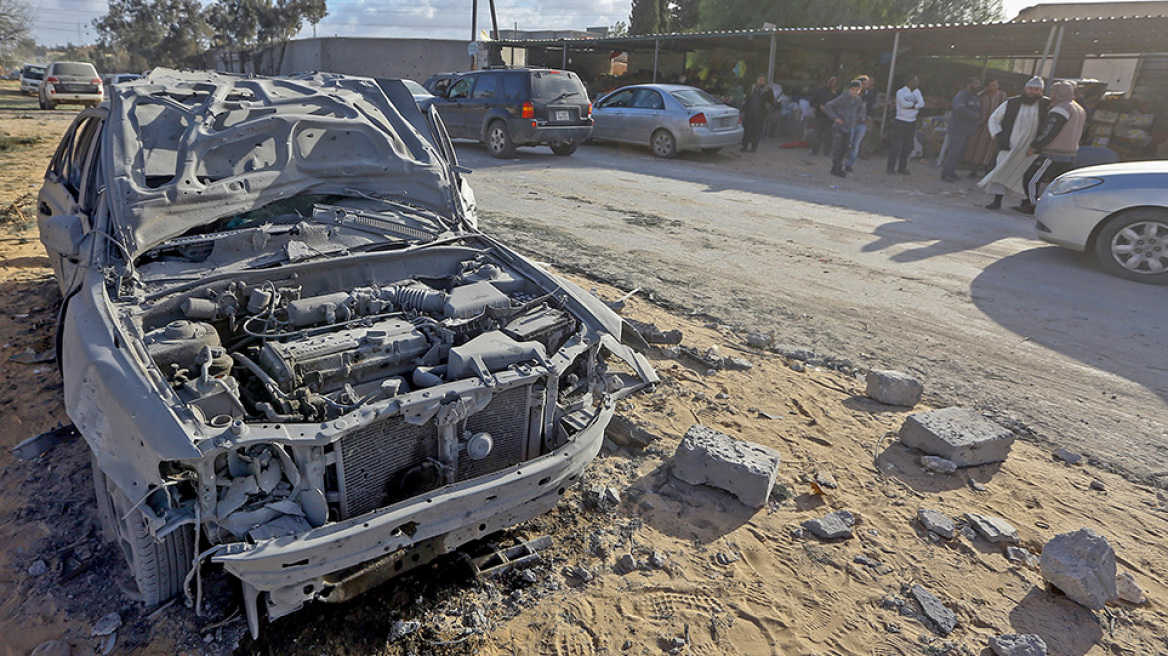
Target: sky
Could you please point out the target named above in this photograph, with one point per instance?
(70, 21)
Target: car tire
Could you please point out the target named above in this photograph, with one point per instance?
(663, 144)
(566, 147)
(50, 105)
(159, 567)
(499, 142)
(1133, 244)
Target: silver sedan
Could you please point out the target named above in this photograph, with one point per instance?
(1117, 212)
(668, 118)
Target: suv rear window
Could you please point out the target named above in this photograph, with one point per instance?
(77, 69)
(695, 98)
(555, 84)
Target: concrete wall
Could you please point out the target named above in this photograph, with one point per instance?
(416, 59)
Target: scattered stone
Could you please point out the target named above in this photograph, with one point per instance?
(38, 568)
(655, 335)
(671, 352)
(826, 480)
(53, 648)
(402, 628)
(474, 619)
(994, 529)
(893, 388)
(1098, 485)
(766, 415)
(611, 496)
(721, 396)
(832, 526)
(797, 367)
(937, 522)
(944, 619)
(709, 457)
(968, 533)
(958, 434)
(977, 487)
(890, 601)
(739, 364)
(759, 340)
(1069, 457)
(528, 577)
(209, 638)
(793, 353)
(108, 643)
(883, 569)
(725, 559)
(1018, 644)
(107, 625)
(677, 643)
(1082, 565)
(939, 464)
(625, 432)
(1129, 590)
(892, 627)
(1020, 555)
(657, 560)
(626, 564)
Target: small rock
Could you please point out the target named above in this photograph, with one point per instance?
(611, 496)
(627, 645)
(1069, 457)
(657, 560)
(826, 480)
(1129, 590)
(759, 340)
(861, 559)
(883, 569)
(1098, 485)
(671, 352)
(107, 625)
(1082, 565)
(402, 628)
(891, 601)
(209, 638)
(626, 564)
(1018, 644)
(474, 619)
(725, 559)
(968, 533)
(677, 643)
(53, 648)
(38, 568)
(108, 643)
(892, 627)
(939, 464)
(937, 522)
(739, 364)
(832, 526)
(893, 388)
(977, 487)
(578, 572)
(994, 529)
(721, 396)
(798, 367)
(944, 619)
(528, 577)
(1020, 555)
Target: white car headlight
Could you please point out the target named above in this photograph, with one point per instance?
(1068, 185)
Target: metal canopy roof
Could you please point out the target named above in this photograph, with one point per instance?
(1120, 35)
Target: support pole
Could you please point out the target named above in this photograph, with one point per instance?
(771, 64)
(1045, 51)
(656, 53)
(1058, 46)
(564, 63)
(891, 74)
(474, 29)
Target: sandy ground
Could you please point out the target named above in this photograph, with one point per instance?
(729, 579)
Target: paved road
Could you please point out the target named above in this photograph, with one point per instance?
(988, 316)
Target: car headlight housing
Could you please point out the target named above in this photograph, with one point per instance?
(1070, 185)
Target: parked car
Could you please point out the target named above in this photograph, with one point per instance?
(31, 77)
(508, 108)
(290, 351)
(1116, 212)
(70, 82)
(668, 118)
(421, 96)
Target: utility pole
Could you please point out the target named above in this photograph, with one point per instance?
(474, 29)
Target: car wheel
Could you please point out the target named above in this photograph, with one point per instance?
(712, 151)
(663, 144)
(499, 142)
(159, 566)
(1134, 246)
(50, 105)
(565, 147)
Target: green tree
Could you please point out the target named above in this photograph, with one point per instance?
(16, 20)
(245, 27)
(684, 15)
(645, 17)
(957, 11)
(747, 14)
(154, 32)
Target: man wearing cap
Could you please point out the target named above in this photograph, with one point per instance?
(846, 112)
(1057, 143)
(1014, 125)
(962, 125)
(909, 102)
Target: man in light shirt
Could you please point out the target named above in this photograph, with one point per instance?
(909, 102)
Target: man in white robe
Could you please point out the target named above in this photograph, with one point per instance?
(1013, 125)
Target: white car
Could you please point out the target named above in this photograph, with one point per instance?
(1117, 212)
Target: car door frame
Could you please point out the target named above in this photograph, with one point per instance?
(642, 122)
(613, 116)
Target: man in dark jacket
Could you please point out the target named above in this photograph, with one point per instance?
(1057, 142)
(754, 113)
(963, 122)
(819, 99)
(845, 112)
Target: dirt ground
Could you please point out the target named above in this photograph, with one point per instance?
(714, 575)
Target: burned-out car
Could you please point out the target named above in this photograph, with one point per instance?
(290, 350)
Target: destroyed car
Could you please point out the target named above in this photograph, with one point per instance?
(290, 350)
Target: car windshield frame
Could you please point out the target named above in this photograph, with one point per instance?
(686, 98)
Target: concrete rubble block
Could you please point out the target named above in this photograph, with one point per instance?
(944, 619)
(937, 522)
(938, 464)
(893, 388)
(1018, 644)
(958, 434)
(107, 625)
(1082, 565)
(744, 469)
(994, 529)
(1129, 590)
(1068, 456)
(832, 526)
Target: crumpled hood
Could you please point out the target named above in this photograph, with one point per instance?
(190, 147)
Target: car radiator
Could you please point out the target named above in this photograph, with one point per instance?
(373, 459)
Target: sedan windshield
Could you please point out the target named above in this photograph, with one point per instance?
(695, 98)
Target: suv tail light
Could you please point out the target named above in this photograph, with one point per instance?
(528, 110)
(52, 80)
(698, 120)
(589, 109)
(96, 81)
